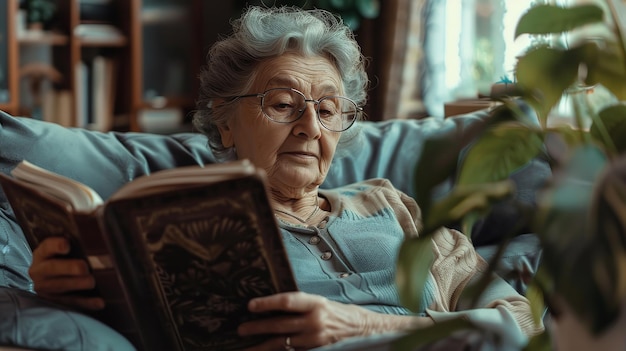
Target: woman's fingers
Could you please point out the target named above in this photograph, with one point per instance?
(51, 247)
(285, 324)
(59, 267)
(54, 284)
(60, 279)
(85, 303)
(295, 302)
(52, 273)
(299, 316)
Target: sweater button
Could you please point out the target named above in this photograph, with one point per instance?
(326, 255)
(314, 240)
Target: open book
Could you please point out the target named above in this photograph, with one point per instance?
(176, 254)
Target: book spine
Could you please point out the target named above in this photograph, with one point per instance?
(119, 310)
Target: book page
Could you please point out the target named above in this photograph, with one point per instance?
(80, 196)
(181, 177)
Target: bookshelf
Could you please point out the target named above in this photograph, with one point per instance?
(140, 60)
(8, 62)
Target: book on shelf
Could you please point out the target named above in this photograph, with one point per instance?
(81, 81)
(103, 93)
(176, 254)
(95, 101)
(56, 107)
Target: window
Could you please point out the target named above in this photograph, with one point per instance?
(469, 45)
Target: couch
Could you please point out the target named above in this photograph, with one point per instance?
(105, 161)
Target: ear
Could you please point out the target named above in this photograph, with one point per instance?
(227, 135)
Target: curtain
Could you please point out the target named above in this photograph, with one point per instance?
(393, 45)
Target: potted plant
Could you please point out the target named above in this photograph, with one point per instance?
(581, 215)
(39, 13)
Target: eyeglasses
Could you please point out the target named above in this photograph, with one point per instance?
(286, 105)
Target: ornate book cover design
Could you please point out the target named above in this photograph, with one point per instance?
(204, 252)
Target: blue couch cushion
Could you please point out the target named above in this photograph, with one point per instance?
(30, 322)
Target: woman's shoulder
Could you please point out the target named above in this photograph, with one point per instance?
(365, 186)
(368, 191)
(376, 196)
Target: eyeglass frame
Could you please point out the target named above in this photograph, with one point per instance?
(358, 111)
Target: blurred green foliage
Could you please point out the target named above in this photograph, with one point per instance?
(351, 11)
(580, 217)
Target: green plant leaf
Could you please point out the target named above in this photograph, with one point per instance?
(464, 200)
(512, 110)
(613, 120)
(500, 151)
(545, 73)
(571, 243)
(607, 213)
(439, 161)
(540, 342)
(341, 4)
(467, 224)
(572, 136)
(413, 269)
(608, 67)
(535, 295)
(537, 306)
(548, 19)
(351, 19)
(368, 8)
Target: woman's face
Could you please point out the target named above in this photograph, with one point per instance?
(296, 155)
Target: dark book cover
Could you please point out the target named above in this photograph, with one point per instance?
(196, 256)
(177, 267)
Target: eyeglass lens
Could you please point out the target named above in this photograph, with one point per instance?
(286, 105)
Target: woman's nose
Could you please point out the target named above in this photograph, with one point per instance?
(309, 122)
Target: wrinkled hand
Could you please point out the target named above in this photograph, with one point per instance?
(311, 321)
(61, 279)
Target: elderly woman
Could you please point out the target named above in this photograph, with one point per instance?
(283, 91)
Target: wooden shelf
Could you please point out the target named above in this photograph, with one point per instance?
(36, 37)
(103, 42)
(164, 14)
(167, 102)
(103, 63)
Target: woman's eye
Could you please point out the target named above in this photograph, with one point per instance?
(326, 113)
(283, 105)
(327, 109)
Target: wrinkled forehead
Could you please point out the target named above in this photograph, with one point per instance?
(309, 74)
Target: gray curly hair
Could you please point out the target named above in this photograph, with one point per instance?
(263, 33)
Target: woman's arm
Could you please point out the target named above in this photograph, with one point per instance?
(456, 266)
(311, 321)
